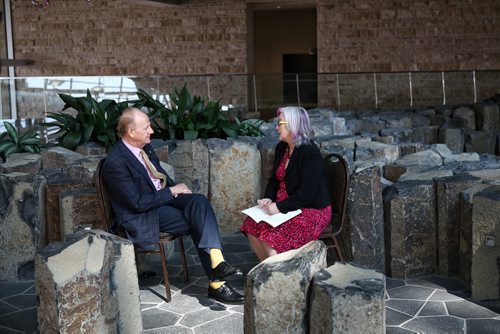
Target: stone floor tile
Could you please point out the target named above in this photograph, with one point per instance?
(184, 304)
(169, 330)
(202, 316)
(391, 283)
(483, 326)
(148, 296)
(6, 308)
(395, 318)
(21, 301)
(467, 310)
(441, 295)
(24, 320)
(445, 283)
(157, 318)
(232, 324)
(439, 324)
(14, 288)
(410, 307)
(410, 292)
(397, 330)
(433, 308)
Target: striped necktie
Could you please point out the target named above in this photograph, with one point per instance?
(153, 170)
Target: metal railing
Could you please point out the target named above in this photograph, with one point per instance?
(33, 97)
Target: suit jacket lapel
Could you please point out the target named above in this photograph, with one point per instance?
(134, 162)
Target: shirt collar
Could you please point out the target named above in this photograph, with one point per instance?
(135, 150)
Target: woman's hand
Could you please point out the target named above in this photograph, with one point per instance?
(264, 202)
(271, 209)
(180, 188)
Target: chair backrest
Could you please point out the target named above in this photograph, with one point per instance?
(337, 175)
(106, 213)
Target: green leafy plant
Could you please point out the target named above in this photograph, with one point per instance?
(11, 142)
(94, 121)
(191, 117)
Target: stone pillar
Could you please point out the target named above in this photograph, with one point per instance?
(234, 180)
(485, 276)
(276, 290)
(78, 210)
(480, 142)
(448, 191)
(410, 229)
(487, 116)
(88, 285)
(54, 187)
(191, 164)
(466, 204)
(453, 138)
(366, 219)
(347, 299)
(22, 224)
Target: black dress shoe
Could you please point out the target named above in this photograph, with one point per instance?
(225, 294)
(224, 270)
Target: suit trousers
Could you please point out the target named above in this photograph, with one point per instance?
(192, 214)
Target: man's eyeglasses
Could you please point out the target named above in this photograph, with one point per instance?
(282, 122)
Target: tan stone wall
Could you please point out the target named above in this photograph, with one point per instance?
(388, 36)
(117, 37)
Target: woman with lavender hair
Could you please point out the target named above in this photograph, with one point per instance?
(297, 182)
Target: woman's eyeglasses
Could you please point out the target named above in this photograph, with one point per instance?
(282, 122)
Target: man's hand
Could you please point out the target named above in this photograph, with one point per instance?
(180, 188)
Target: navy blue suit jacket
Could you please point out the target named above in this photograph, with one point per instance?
(134, 199)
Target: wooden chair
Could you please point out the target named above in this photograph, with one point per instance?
(107, 214)
(337, 175)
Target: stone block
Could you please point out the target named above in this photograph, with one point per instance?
(423, 158)
(425, 175)
(22, 163)
(400, 135)
(347, 299)
(339, 126)
(88, 285)
(485, 273)
(466, 204)
(276, 290)
(368, 150)
(487, 116)
(58, 157)
(393, 172)
(410, 229)
(91, 148)
(487, 175)
(365, 219)
(425, 135)
(371, 124)
(410, 148)
(78, 210)
(266, 149)
(453, 138)
(83, 168)
(397, 119)
(234, 180)
(448, 190)
(480, 142)
(464, 117)
(191, 164)
(22, 224)
(53, 188)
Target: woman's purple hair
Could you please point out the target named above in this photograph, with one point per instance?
(298, 123)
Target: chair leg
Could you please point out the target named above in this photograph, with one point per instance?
(183, 256)
(337, 248)
(165, 272)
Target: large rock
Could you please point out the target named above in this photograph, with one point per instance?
(58, 157)
(410, 232)
(480, 142)
(466, 205)
(234, 180)
(485, 276)
(464, 117)
(423, 158)
(88, 285)
(487, 116)
(22, 163)
(366, 220)
(22, 224)
(453, 138)
(347, 299)
(369, 150)
(276, 290)
(448, 190)
(191, 164)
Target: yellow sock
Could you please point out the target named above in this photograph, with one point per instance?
(216, 284)
(216, 257)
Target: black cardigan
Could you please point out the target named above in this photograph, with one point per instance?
(304, 178)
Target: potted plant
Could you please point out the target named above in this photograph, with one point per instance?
(12, 142)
